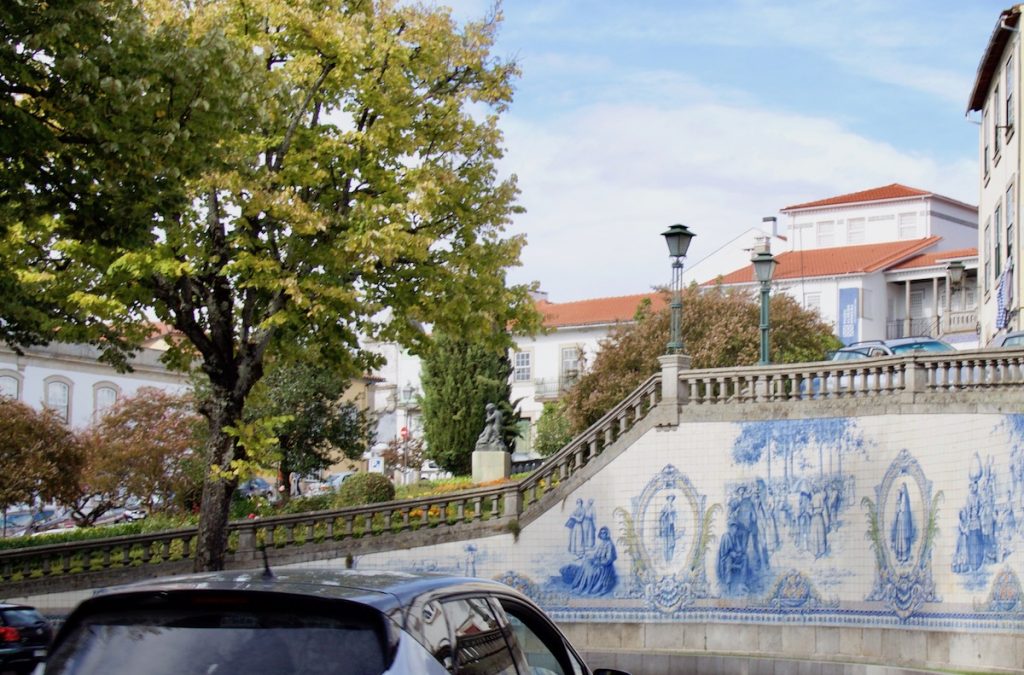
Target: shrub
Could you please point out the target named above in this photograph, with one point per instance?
(365, 488)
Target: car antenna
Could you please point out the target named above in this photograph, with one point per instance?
(267, 574)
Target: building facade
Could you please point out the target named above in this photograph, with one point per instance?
(70, 380)
(994, 97)
(881, 264)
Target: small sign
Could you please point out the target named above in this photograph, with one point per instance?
(376, 465)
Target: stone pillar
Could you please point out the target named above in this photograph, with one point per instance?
(491, 465)
(673, 393)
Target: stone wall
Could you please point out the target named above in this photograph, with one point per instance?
(893, 535)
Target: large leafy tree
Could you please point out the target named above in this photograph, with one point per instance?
(109, 115)
(316, 428)
(138, 450)
(720, 328)
(355, 172)
(42, 457)
(460, 377)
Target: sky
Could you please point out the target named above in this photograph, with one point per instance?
(631, 116)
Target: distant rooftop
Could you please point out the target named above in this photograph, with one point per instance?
(829, 262)
(879, 194)
(596, 311)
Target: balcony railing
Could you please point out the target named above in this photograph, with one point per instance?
(923, 326)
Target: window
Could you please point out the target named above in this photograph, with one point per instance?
(58, 398)
(812, 301)
(916, 304)
(855, 231)
(480, 646)
(986, 133)
(1010, 217)
(997, 102)
(1010, 86)
(570, 368)
(997, 249)
(827, 233)
(104, 397)
(10, 387)
(538, 643)
(524, 442)
(908, 226)
(986, 255)
(523, 371)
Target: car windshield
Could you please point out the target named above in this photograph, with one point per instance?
(1014, 341)
(923, 346)
(220, 642)
(849, 355)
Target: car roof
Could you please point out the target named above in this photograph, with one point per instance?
(10, 605)
(385, 591)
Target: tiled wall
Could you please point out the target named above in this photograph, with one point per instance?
(913, 521)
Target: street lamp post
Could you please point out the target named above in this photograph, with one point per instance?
(678, 239)
(764, 267)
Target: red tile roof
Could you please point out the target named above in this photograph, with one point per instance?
(894, 191)
(595, 311)
(936, 258)
(828, 262)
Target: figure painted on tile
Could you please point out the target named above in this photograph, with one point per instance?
(575, 525)
(904, 533)
(818, 543)
(960, 555)
(975, 535)
(773, 520)
(732, 561)
(596, 574)
(588, 526)
(803, 520)
(667, 527)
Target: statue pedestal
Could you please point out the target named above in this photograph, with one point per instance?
(491, 465)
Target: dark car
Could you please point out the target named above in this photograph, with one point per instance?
(312, 621)
(255, 487)
(24, 638)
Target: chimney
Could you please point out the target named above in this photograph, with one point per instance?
(774, 222)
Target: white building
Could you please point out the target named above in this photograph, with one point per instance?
(999, 156)
(70, 380)
(876, 264)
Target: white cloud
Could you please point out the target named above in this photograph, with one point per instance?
(601, 184)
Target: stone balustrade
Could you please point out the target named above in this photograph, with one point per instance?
(79, 564)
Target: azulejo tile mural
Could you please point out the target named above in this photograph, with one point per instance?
(884, 520)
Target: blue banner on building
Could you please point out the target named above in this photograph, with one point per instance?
(849, 312)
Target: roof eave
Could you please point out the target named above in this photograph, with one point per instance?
(1001, 34)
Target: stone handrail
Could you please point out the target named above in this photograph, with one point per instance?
(587, 445)
(921, 373)
(31, 565)
(915, 373)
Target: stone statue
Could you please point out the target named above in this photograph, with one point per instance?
(490, 437)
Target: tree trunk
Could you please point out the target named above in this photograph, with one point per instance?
(212, 541)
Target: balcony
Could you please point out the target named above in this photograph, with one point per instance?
(550, 389)
(953, 322)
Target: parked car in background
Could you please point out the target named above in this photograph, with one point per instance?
(877, 348)
(24, 638)
(312, 621)
(255, 487)
(1012, 339)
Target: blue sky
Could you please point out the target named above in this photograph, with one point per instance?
(631, 116)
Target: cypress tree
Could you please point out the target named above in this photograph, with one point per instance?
(459, 379)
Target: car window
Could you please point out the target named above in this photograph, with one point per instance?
(21, 617)
(222, 641)
(481, 642)
(933, 346)
(1014, 341)
(541, 645)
